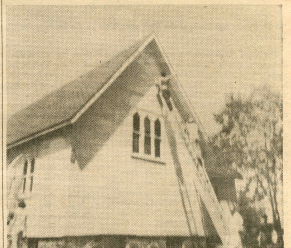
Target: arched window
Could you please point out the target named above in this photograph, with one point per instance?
(27, 176)
(31, 173)
(136, 133)
(157, 138)
(24, 175)
(147, 136)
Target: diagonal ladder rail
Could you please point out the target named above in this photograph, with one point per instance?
(183, 187)
(186, 202)
(201, 180)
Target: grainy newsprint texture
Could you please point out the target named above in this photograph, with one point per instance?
(143, 126)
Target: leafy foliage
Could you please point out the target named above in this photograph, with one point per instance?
(251, 140)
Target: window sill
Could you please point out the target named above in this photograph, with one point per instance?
(147, 158)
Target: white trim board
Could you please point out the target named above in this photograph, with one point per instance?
(74, 118)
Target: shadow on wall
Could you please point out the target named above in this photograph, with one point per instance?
(102, 119)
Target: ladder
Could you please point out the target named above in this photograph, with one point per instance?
(198, 173)
(185, 196)
(204, 187)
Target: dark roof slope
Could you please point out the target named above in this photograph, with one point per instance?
(61, 105)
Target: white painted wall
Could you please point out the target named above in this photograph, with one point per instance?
(47, 199)
(114, 193)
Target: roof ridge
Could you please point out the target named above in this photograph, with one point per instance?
(135, 44)
(51, 111)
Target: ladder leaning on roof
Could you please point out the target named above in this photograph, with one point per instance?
(198, 173)
(185, 196)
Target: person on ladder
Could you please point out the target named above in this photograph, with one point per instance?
(165, 90)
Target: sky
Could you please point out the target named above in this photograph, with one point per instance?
(214, 49)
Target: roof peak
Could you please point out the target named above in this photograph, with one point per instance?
(151, 35)
(40, 117)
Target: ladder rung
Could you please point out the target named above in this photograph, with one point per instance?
(206, 191)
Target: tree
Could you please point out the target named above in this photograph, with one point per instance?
(251, 216)
(251, 140)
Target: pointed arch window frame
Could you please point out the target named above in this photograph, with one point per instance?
(158, 139)
(147, 136)
(136, 133)
(27, 176)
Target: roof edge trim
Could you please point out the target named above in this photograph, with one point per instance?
(106, 85)
(30, 137)
(109, 82)
(112, 79)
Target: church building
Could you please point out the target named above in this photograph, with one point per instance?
(115, 158)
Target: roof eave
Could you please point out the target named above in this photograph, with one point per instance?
(38, 134)
(81, 111)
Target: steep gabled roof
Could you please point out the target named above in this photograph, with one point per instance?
(66, 104)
